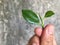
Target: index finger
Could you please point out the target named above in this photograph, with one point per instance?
(38, 31)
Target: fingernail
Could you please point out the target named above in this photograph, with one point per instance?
(51, 30)
(34, 44)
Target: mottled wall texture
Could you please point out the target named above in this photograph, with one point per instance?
(14, 30)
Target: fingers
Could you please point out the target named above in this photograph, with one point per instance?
(35, 39)
(47, 35)
(38, 31)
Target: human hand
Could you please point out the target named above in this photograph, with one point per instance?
(43, 36)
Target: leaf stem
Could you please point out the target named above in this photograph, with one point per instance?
(42, 21)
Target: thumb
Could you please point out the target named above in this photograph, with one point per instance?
(54, 41)
(47, 35)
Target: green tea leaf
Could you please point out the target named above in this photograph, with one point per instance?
(49, 14)
(30, 16)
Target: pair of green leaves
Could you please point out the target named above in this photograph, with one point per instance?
(32, 17)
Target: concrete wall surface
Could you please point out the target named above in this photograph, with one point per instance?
(14, 30)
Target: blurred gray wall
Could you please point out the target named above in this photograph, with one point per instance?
(14, 30)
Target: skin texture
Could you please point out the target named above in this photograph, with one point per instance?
(43, 36)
